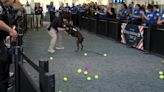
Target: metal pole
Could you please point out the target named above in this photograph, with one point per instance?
(49, 82)
(18, 59)
(17, 69)
(44, 65)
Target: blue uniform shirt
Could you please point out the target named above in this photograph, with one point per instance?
(68, 8)
(156, 15)
(74, 9)
(150, 15)
(102, 12)
(123, 14)
(162, 15)
(130, 9)
(51, 8)
(81, 10)
(62, 8)
(137, 13)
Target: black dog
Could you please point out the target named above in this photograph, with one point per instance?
(74, 32)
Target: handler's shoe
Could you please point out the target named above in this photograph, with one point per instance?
(59, 48)
(51, 51)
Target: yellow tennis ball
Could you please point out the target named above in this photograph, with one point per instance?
(162, 62)
(89, 78)
(65, 79)
(161, 72)
(85, 54)
(51, 58)
(105, 55)
(96, 77)
(161, 76)
(85, 72)
(79, 70)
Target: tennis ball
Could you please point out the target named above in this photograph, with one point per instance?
(96, 77)
(162, 62)
(105, 55)
(85, 54)
(160, 72)
(89, 78)
(51, 58)
(161, 76)
(79, 70)
(65, 79)
(85, 72)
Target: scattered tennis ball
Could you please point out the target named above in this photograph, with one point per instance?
(162, 62)
(51, 58)
(161, 76)
(85, 54)
(65, 79)
(105, 55)
(85, 72)
(96, 77)
(89, 78)
(160, 72)
(79, 70)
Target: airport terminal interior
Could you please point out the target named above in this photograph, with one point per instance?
(88, 46)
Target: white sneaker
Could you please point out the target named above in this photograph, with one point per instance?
(59, 48)
(51, 50)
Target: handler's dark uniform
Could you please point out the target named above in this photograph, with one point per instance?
(4, 61)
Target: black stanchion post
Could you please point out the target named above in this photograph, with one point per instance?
(17, 69)
(44, 65)
(148, 41)
(49, 82)
(18, 59)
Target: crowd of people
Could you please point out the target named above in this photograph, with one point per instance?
(137, 14)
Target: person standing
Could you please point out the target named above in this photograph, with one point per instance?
(54, 30)
(38, 13)
(161, 19)
(110, 11)
(5, 31)
(136, 17)
(28, 15)
(123, 13)
(51, 10)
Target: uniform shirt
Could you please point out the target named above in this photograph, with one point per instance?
(74, 9)
(62, 8)
(81, 10)
(123, 14)
(162, 15)
(102, 12)
(150, 15)
(156, 15)
(51, 8)
(137, 13)
(57, 22)
(4, 17)
(130, 9)
(68, 8)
